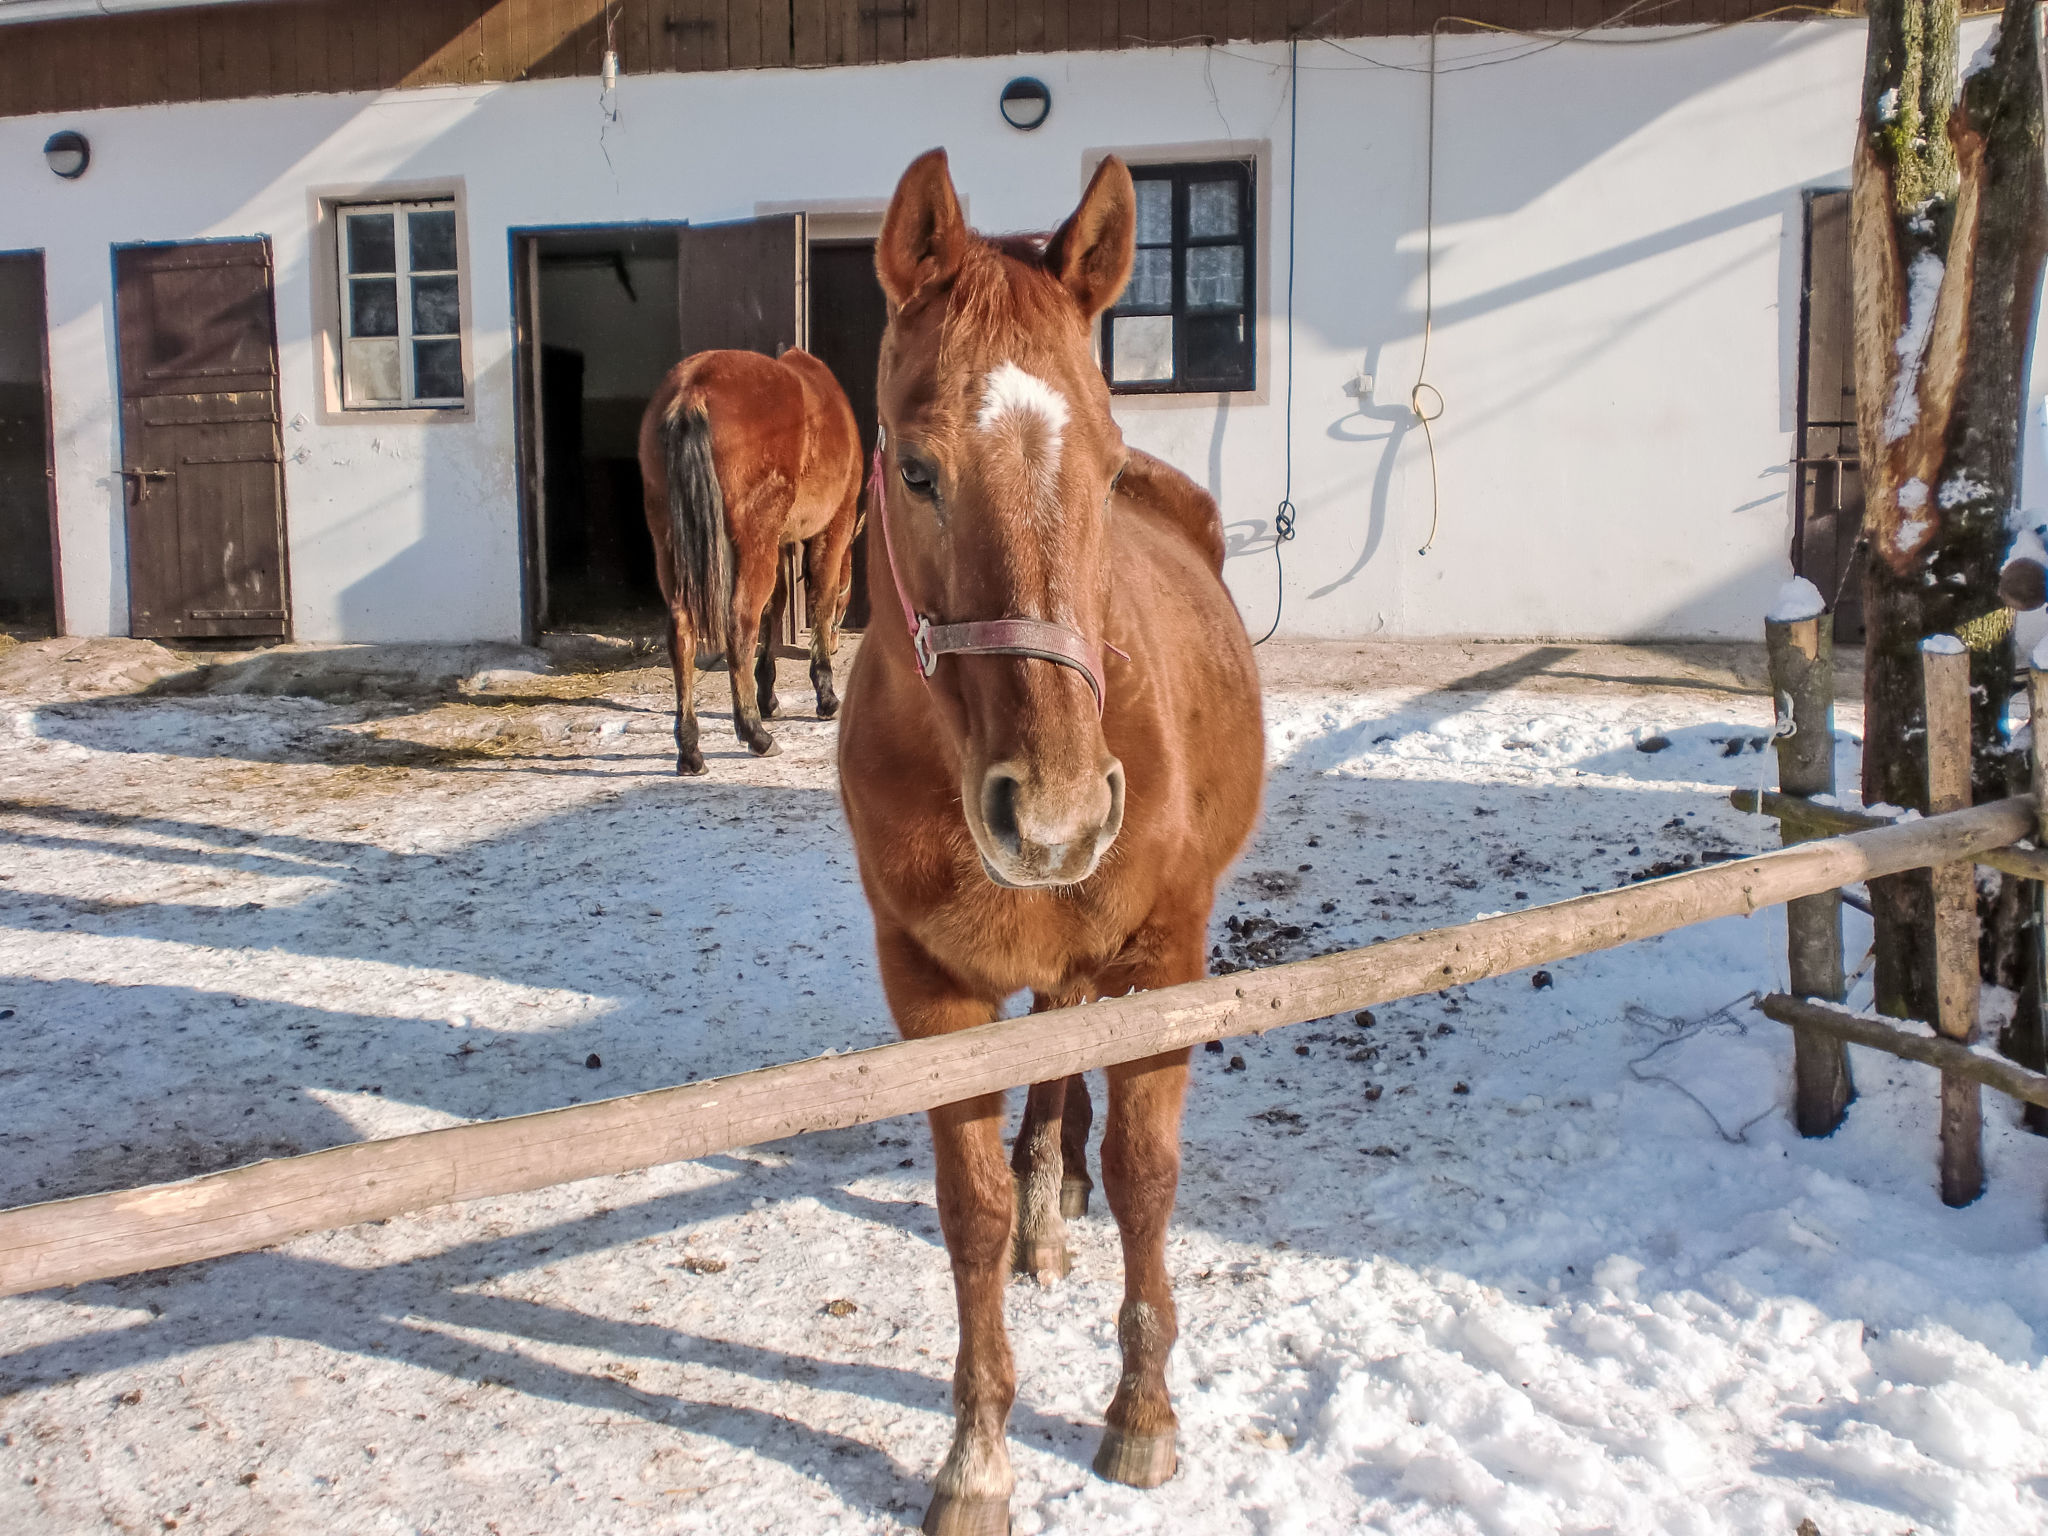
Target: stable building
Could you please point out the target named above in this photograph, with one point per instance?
(333, 320)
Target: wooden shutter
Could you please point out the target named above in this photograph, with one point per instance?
(1829, 517)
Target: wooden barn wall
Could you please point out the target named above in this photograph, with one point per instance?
(213, 54)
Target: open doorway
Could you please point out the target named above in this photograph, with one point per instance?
(28, 566)
(603, 314)
(601, 307)
(848, 316)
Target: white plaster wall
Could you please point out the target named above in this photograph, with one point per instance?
(1616, 305)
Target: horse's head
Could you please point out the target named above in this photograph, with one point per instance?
(1001, 456)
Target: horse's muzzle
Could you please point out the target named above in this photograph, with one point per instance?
(1031, 833)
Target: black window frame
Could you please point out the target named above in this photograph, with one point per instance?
(1242, 376)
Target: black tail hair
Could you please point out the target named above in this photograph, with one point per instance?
(700, 549)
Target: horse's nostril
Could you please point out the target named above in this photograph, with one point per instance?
(999, 809)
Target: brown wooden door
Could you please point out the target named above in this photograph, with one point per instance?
(1828, 523)
(745, 286)
(201, 452)
(848, 316)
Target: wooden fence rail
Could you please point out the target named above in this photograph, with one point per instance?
(94, 1237)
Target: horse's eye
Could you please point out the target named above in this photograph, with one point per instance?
(917, 477)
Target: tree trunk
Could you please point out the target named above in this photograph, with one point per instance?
(1949, 227)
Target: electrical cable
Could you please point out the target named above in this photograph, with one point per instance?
(1283, 514)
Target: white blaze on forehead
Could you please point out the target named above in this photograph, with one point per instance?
(1028, 412)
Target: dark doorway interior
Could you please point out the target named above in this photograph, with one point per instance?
(607, 322)
(28, 573)
(604, 314)
(848, 314)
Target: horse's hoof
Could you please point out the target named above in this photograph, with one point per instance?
(1047, 1263)
(691, 767)
(960, 1515)
(767, 746)
(771, 706)
(827, 708)
(1074, 1197)
(1137, 1461)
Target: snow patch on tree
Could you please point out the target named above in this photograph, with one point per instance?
(1959, 488)
(1941, 645)
(1923, 289)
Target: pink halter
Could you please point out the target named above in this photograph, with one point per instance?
(985, 637)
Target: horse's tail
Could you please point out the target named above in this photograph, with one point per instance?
(700, 548)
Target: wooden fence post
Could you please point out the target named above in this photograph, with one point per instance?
(1802, 661)
(2026, 1044)
(1945, 679)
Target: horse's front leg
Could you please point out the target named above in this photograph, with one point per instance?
(971, 1494)
(1141, 1174)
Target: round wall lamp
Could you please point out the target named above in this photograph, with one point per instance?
(68, 153)
(1026, 103)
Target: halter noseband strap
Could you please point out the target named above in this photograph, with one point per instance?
(984, 637)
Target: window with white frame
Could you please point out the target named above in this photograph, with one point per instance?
(401, 306)
(1185, 322)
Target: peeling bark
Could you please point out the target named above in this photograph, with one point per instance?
(1955, 177)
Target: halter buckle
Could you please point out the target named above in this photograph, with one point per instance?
(921, 643)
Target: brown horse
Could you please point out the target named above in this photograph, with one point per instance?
(1047, 765)
(742, 456)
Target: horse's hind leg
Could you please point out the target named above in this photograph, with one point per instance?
(682, 659)
(764, 662)
(753, 586)
(1050, 1165)
(1040, 1245)
(1075, 1123)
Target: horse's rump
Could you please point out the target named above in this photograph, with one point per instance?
(1170, 496)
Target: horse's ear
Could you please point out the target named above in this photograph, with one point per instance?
(924, 238)
(1091, 253)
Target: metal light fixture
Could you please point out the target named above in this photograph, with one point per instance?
(1026, 103)
(68, 153)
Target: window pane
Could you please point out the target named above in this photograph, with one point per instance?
(373, 306)
(1219, 353)
(436, 310)
(431, 236)
(1212, 210)
(1141, 348)
(1155, 212)
(437, 370)
(1216, 277)
(372, 243)
(1151, 284)
(372, 372)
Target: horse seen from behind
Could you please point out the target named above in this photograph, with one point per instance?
(1046, 765)
(741, 456)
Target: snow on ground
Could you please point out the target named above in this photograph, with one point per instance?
(1511, 1259)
